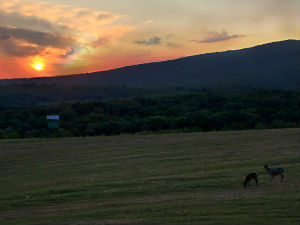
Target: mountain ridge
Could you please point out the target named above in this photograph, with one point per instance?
(270, 65)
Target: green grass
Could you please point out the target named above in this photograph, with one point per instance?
(193, 178)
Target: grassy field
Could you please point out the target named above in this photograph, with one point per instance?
(193, 178)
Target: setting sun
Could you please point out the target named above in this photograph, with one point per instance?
(38, 63)
(38, 66)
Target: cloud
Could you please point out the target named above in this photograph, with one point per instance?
(165, 40)
(152, 41)
(110, 34)
(36, 37)
(19, 49)
(19, 42)
(70, 52)
(14, 19)
(78, 19)
(106, 16)
(100, 42)
(217, 37)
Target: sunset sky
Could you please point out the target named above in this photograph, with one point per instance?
(61, 37)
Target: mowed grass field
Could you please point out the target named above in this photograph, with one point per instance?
(191, 178)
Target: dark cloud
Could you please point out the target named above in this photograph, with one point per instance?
(103, 16)
(23, 42)
(68, 53)
(152, 41)
(13, 48)
(27, 41)
(42, 39)
(30, 22)
(159, 41)
(217, 36)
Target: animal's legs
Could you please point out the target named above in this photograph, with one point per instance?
(281, 177)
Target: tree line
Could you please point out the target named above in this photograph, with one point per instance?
(258, 109)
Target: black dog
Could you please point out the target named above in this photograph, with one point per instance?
(249, 177)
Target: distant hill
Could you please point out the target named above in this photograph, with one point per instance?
(272, 65)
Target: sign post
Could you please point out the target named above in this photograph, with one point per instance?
(53, 123)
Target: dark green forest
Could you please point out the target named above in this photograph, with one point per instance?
(32, 94)
(211, 111)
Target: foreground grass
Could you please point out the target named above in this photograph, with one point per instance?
(166, 179)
